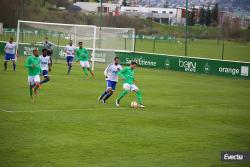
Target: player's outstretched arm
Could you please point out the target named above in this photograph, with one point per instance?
(27, 63)
(5, 48)
(86, 54)
(105, 73)
(122, 72)
(17, 52)
(38, 42)
(52, 44)
(107, 70)
(49, 66)
(77, 57)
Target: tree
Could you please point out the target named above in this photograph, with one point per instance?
(166, 4)
(124, 3)
(191, 17)
(208, 16)
(60, 3)
(215, 14)
(11, 11)
(202, 15)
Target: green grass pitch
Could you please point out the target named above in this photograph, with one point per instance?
(188, 120)
(204, 48)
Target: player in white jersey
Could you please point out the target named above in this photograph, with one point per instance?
(111, 75)
(49, 46)
(10, 54)
(70, 53)
(45, 65)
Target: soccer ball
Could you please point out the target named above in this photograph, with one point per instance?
(134, 104)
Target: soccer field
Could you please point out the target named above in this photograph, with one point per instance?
(188, 120)
(204, 48)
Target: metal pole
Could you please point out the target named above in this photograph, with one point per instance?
(223, 46)
(100, 21)
(75, 36)
(223, 39)
(134, 41)
(151, 15)
(186, 28)
(125, 46)
(58, 42)
(154, 45)
(100, 24)
(23, 10)
(22, 18)
(93, 53)
(17, 36)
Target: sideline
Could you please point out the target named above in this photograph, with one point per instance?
(54, 110)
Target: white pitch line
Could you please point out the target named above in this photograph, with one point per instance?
(5, 110)
(77, 109)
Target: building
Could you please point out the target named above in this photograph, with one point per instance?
(133, 3)
(161, 15)
(181, 15)
(93, 7)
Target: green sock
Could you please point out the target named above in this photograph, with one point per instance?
(85, 71)
(139, 97)
(31, 91)
(123, 94)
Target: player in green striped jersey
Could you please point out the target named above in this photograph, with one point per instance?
(128, 84)
(32, 63)
(82, 55)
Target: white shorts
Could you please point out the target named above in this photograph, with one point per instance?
(130, 87)
(33, 79)
(84, 64)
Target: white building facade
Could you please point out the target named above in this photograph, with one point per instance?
(162, 15)
(93, 7)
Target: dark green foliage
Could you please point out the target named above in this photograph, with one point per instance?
(191, 17)
(215, 14)
(208, 16)
(202, 16)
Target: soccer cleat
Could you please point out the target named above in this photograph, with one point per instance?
(87, 77)
(103, 101)
(117, 103)
(141, 106)
(99, 98)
